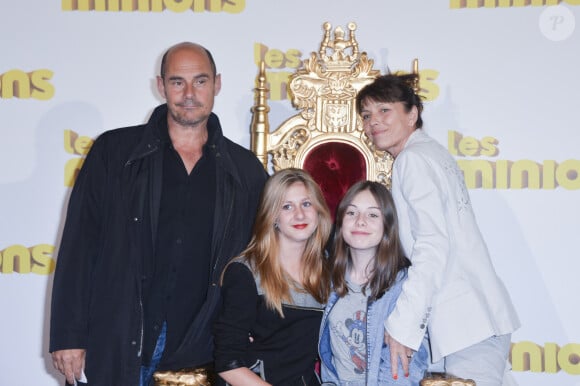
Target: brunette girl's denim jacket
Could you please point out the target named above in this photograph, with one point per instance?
(378, 370)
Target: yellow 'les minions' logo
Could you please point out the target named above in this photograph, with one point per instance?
(78, 145)
(275, 59)
(26, 85)
(528, 356)
(503, 174)
(19, 259)
(229, 6)
(458, 4)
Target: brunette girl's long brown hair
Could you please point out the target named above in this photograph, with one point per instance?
(390, 257)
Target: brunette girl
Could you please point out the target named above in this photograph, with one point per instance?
(368, 272)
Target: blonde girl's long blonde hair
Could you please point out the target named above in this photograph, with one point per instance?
(262, 251)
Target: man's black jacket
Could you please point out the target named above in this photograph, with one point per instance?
(110, 230)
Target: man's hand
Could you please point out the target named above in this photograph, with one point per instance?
(398, 352)
(70, 363)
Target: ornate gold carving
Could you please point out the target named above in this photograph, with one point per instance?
(324, 91)
(338, 60)
(325, 87)
(260, 126)
(283, 156)
(336, 116)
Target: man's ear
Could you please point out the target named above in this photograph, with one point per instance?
(217, 84)
(161, 86)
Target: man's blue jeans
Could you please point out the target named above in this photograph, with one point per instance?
(147, 371)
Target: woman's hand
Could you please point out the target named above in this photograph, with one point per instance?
(399, 352)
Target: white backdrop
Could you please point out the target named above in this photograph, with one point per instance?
(503, 75)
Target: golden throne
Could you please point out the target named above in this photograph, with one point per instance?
(325, 137)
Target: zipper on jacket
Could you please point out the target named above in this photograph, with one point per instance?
(140, 351)
(368, 354)
(151, 149)
(325, 316)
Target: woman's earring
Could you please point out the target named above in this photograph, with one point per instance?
(276, 226)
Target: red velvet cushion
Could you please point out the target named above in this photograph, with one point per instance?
(336, 167)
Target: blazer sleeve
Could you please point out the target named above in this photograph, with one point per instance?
(419, 194)
(236, 318)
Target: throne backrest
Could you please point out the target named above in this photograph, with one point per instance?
(325, 137)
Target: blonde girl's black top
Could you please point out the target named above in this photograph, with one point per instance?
(282, 350)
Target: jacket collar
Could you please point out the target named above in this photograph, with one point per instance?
(416, 136)
(155, 134)
(153, 140)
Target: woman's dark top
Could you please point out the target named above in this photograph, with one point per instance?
(286, 346)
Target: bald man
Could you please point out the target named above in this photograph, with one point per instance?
(156, 212)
